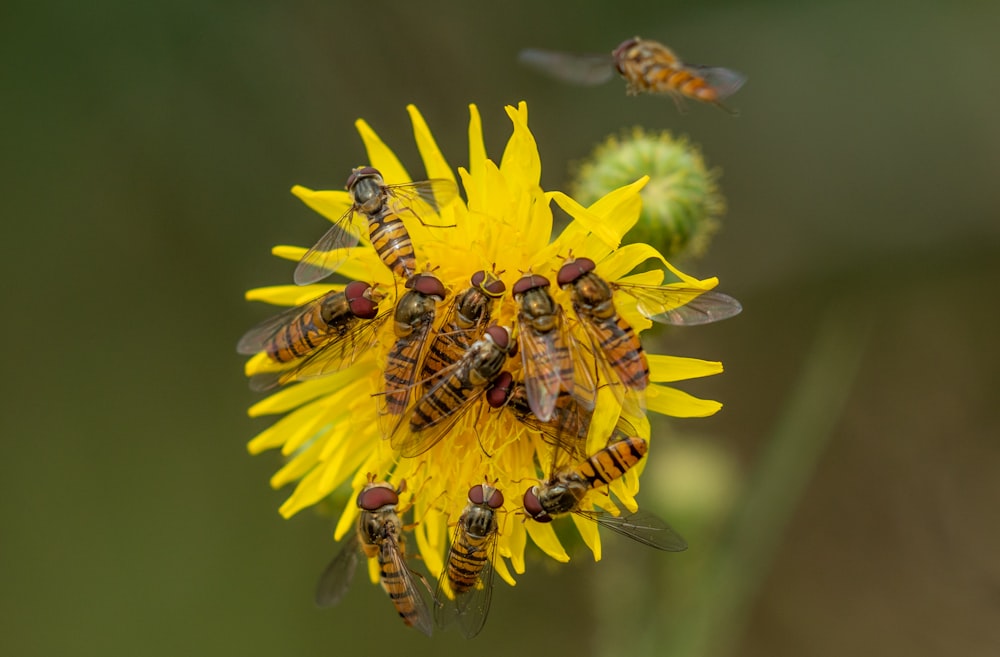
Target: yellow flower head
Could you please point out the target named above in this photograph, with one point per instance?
(332, 431)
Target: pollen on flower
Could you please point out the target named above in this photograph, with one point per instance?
(479, 376)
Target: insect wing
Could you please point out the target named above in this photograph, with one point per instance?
(423, 196)
(566, 431)
(340, 352)
(257, 338)
(583, 69)
(405, 360)
(422, 618)
(336, 578)
(680, 305)
(723, 81)
(413, 443)
(469, 608)
(642, 527)
(541, 360)
(326, 255)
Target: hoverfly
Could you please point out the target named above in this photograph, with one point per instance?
(469, 569)
(379, 534)
(548, 349)
(464, 322)
(414, 317)
(566, 487)
(610, 334)
(327, 333)
(382, 205)
(456, 388)
(676, 304)
(566, 430)
(647, 66)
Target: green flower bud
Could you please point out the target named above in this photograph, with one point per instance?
(681, 204)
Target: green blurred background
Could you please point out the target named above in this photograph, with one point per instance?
(843, 502)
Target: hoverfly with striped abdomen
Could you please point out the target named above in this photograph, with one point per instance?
(548, 350)
(468, 572)
(382, 206)
(464, 322)
(456, 388)
(647, 66)
(325, 335)
(676, 304)
(563, 492)
(414, 319)
(379, 534)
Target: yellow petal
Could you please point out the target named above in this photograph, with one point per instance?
(588, 531)
(520, 162)
(291, 295)
(545, 538)
(665, 369)
(381, 156)
(673, 402)
(434, 162)
(330, 204)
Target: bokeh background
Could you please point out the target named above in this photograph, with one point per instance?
(843, 502)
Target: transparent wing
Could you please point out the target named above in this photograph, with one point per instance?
(422, 618)
(541, 360)
(402, 368)
(336, 578)
(642, 527)
(334, 353)
(423, 196)
(724, 81)
(584, 69)
(681, 305)
(469, 608)
(566, 431)
(438, 399)
(257, 338)
(326, 255)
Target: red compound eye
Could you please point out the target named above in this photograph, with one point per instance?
(428, 285)
(497, 394)
(376, 497)
(533, 507)
(500, 336)
(572, 271)
(529, 282)
(361, 306)
(496, 499)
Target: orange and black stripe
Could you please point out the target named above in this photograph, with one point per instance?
(392, 242)
(613, 461)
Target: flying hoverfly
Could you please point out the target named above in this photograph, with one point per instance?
(382, 206)
(469, 569)
(379, 535)
(564, 490)
(326, 335)
(675, 304)
(548, 350)
(464, 322)
(414, 317)
(456, 388)
(647, 66)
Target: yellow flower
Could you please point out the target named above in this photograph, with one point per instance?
(331, 432)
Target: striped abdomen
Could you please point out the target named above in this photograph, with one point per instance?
(612, 462)
(396, 583)
(309, 330)
(623, 351)
(392, 242)
(467, 559)
(682, 80)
